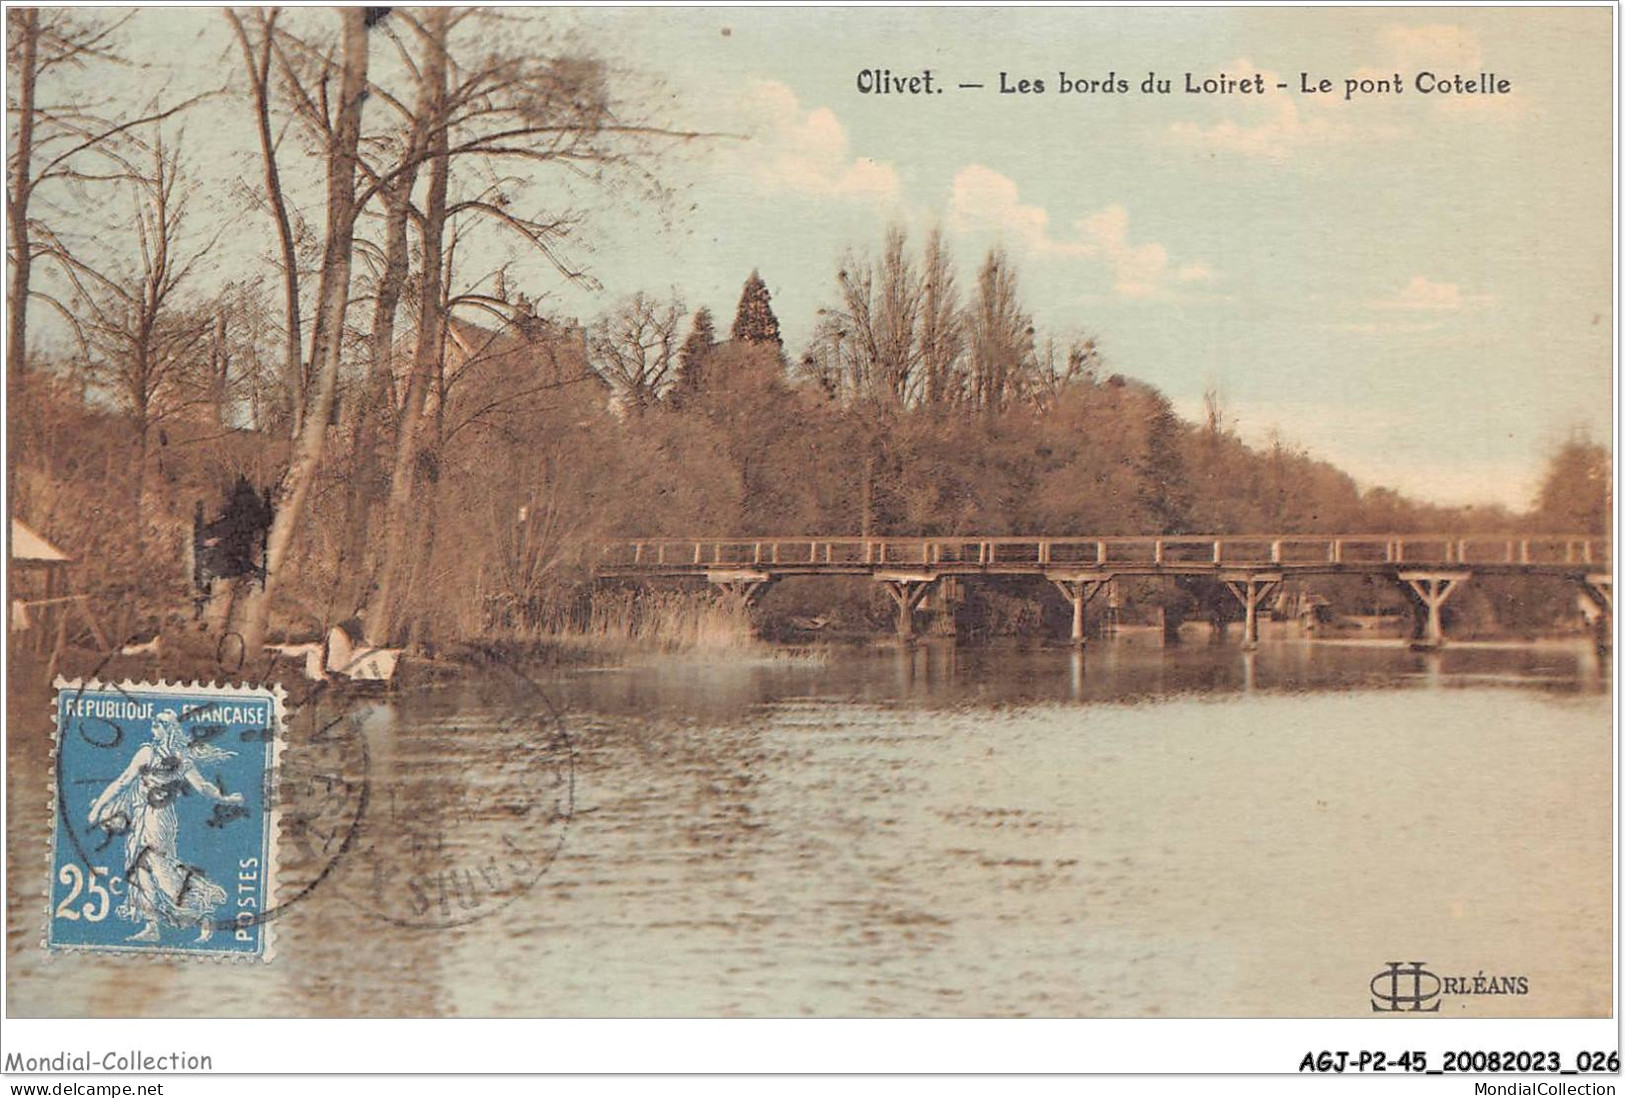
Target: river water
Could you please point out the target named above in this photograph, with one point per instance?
(1193, 831)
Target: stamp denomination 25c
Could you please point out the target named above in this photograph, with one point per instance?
(165, 832)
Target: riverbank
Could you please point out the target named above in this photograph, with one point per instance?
(552, 655)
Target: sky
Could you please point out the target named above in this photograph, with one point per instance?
(1415, 287)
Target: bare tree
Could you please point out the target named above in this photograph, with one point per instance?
(999, 336)
(898, 301)
(635, 348)
(252, 354)
(871, 347)
(898, 336)
(428, 356)
(872, 334)
(332, 301)
(144, 348)
(495, 100)
(508, 111)
(941, 328)
(65, 139)
(258, 51)
(824, 361)
(1056, 370)
(1215, 411)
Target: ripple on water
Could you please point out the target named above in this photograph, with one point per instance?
(1135, 833)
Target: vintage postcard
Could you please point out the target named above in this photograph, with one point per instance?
(709, 512)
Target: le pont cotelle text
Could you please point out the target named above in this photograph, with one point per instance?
(1360, 86)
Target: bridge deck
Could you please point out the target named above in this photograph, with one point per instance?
(1185, 555)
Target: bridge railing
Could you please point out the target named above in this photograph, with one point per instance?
(700, 554)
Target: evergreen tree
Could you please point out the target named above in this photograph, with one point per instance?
(755, 322)
(696, 348)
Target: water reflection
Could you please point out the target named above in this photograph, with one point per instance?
(1126, 830)
(942, 675)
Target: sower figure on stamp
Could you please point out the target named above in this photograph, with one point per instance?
(140, 803)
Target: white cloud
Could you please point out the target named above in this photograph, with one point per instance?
(1277, 124)
(1425, 294)
(1275, 136)
(807, 151)
(1139, 269)
(985, 200)
(1281, 122)
(1444, 50)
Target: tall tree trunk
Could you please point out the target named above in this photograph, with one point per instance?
(398, 545)
(372, 411)
(397, 200)
(327, 340)
(259, 71)
(423, 560)
(220, 372)
(17, 200)
(143, 431)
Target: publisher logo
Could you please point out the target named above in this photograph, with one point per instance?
(1405, 986)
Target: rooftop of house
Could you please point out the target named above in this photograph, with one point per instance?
(28, 546)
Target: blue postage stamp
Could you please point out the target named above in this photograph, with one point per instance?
(165, 832)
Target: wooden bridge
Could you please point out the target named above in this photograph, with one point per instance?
(1428, 568)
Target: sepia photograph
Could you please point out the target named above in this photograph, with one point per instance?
(801, 512)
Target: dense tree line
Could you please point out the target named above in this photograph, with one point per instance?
(443, 457)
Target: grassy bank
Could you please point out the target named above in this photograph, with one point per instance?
(659, 621)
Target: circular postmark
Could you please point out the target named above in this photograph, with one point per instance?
(426, 808)
(472, 797)
(321, 794)
(319, 791)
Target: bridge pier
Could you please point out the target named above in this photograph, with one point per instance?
(1429, 590)
(907, 590)
(1078, 592)
(1599, 588)
(747, 587)
(1252, 588)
